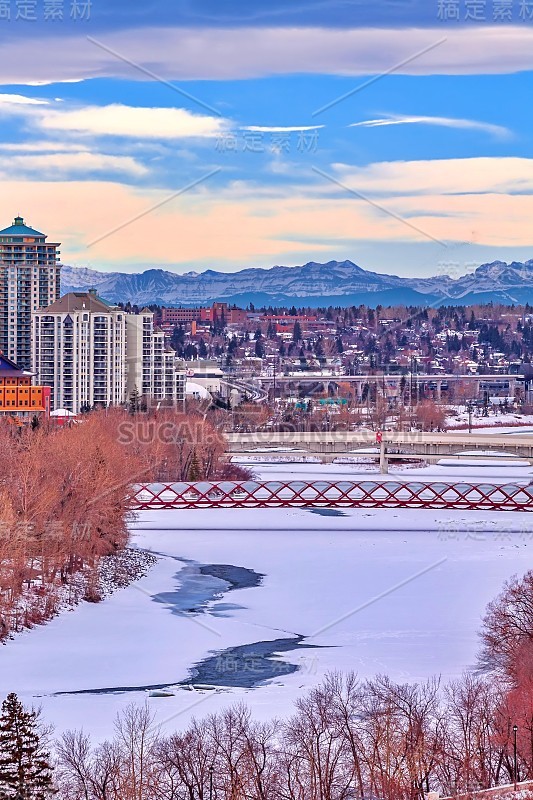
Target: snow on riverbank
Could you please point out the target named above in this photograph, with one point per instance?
(468, 471)
(400, 592)
(494, 421)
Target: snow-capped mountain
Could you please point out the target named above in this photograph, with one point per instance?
(340, 283)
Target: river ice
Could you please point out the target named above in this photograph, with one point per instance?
(391, 591)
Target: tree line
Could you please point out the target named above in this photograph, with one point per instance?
(64, 497)
(347, 740)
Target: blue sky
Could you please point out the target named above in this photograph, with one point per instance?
(190, 136)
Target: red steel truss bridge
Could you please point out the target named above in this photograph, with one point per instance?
(338, 494)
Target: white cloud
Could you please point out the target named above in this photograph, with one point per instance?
(20, 100)
(281, 129)
(115, 120)
(130, 121)
(38, 147)
(440, 176)
(215, 53)
(48, 83)
(444, 122)
(58, 165)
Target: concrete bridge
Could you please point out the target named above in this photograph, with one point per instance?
(394, 445)
(390, 384)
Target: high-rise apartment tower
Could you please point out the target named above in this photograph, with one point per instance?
(29, 280)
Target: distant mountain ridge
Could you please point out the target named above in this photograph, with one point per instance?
(336, 282)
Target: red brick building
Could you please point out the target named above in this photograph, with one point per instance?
(218, 311)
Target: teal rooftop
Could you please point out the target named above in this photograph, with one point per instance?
(20, 229)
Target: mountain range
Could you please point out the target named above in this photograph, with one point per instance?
(340, 283)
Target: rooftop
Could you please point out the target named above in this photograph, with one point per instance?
(79, 301)
(8, 368)
(20, 229)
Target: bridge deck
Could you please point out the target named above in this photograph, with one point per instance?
(410, 444)
(341, 494)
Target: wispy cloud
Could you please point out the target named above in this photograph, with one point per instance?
(49, 83)
(138, 122)
(20, 100)
(282, 128)
(442, 122)
(39, 147)
(452, 176)
(60, 165)
(188, 54)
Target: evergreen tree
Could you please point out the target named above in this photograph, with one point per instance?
(191, 353)
(259, 349)
(177, 338)
(25, 770)
(134, 401)
(194, 468)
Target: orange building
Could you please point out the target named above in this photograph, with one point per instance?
(18, 397)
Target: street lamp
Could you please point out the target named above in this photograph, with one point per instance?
(211, 768)
(515, 770)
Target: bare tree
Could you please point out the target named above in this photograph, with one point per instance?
(507, 632)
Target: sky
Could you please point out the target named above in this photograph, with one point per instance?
(201, 134)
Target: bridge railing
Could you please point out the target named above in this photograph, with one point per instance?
(339, 494)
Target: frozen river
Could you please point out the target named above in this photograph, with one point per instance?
(396, 592)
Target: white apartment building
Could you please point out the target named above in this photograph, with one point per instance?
(92, 354)
(152, 369)
(79, 351)
(29, 279)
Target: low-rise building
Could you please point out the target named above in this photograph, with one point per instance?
(221, 312)
(207, 374)
(18, 396)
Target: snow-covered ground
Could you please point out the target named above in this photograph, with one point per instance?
(510, 418)
(513, 430)
(392, 591)
(489, 471)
